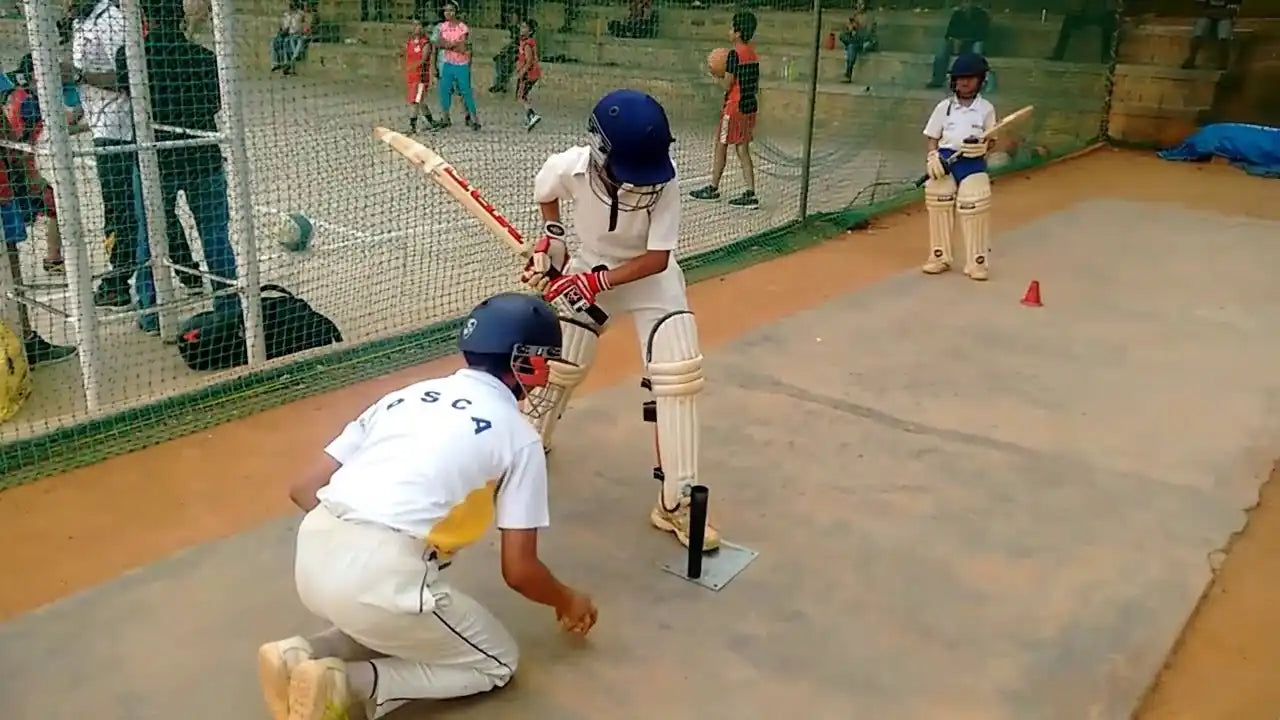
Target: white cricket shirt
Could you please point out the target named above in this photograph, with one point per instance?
(564, 177)
(439, 460)
(94, 43)
(951, 122)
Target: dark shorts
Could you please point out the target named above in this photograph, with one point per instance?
(524, 86)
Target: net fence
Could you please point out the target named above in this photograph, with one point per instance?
(204, 158)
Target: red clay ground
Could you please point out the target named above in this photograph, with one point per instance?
(67, 533)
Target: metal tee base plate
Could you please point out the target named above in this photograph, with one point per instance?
(719, 566)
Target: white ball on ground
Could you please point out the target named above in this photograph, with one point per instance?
(295, 232)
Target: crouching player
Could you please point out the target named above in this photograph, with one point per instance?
(627, 213)
(417, 477)
(964, 190)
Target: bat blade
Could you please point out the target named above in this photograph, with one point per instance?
(418, 93)
(1009, 121)
(447, 177)
(444, 175)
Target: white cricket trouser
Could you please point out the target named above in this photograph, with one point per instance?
(382, 588)
(647, 300)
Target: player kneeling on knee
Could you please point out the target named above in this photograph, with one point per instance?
(956, 165)
(413, 480)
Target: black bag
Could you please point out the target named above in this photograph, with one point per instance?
(215, 341)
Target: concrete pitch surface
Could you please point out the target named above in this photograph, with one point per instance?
(966, 508)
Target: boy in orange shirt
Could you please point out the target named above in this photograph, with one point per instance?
(417, 75)
(741, 82)
(528, 70)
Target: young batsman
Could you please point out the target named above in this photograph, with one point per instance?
(416, 478)
(741, 82)
(964, 189)
(418, 55)
(24, 197)
(528, 70)
(626, 210)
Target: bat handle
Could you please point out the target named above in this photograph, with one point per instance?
(595, 312)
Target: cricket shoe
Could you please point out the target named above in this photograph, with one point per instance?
(319, 690)
(276, 663)
(977, 271)
(677, 521)
(532, 121)
(747, 200)
(706, 192)
(935, 266)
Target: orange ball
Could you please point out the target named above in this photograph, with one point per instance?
(718, 61)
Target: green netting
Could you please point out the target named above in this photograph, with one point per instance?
(288, 178)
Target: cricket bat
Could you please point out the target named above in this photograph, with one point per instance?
(1009, 121)
(444, 175)
(417, 93)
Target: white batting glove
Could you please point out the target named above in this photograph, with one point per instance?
(933, 166)
(973, 148)
(550, 251)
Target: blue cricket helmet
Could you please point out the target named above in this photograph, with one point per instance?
(633, 138)
(517, 335)
(504, 321)
(969, 64)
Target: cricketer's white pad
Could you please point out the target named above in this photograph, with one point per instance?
(580, 350)
(940, 202)
(973, 205)
(675, 376)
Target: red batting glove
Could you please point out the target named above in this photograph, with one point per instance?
(580, 289)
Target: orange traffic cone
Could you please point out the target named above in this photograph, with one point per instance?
(1032, 296)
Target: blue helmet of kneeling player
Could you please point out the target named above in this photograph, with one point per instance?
(630, 149)
(514, 337)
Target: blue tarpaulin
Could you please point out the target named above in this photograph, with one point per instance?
(1252, 148)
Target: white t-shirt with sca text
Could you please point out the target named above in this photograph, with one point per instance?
(564, 177)
(441, 460)
(952, 122)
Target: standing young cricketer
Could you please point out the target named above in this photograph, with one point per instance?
(417, 477)
(738, 117)
(528, 70)
(964, 190)
(626, 210)
(417, 75)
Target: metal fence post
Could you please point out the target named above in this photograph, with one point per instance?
(239, 192)
(149, 169)
(42, 33)
(807, 166)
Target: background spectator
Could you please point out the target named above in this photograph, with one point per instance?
(97, 34)
(290, 42)
(504, 63)
(966, 32)
(1085, 13)
(24, 196)
(183, 81)
(859, 36)
(641, 21)
(1217, 20)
